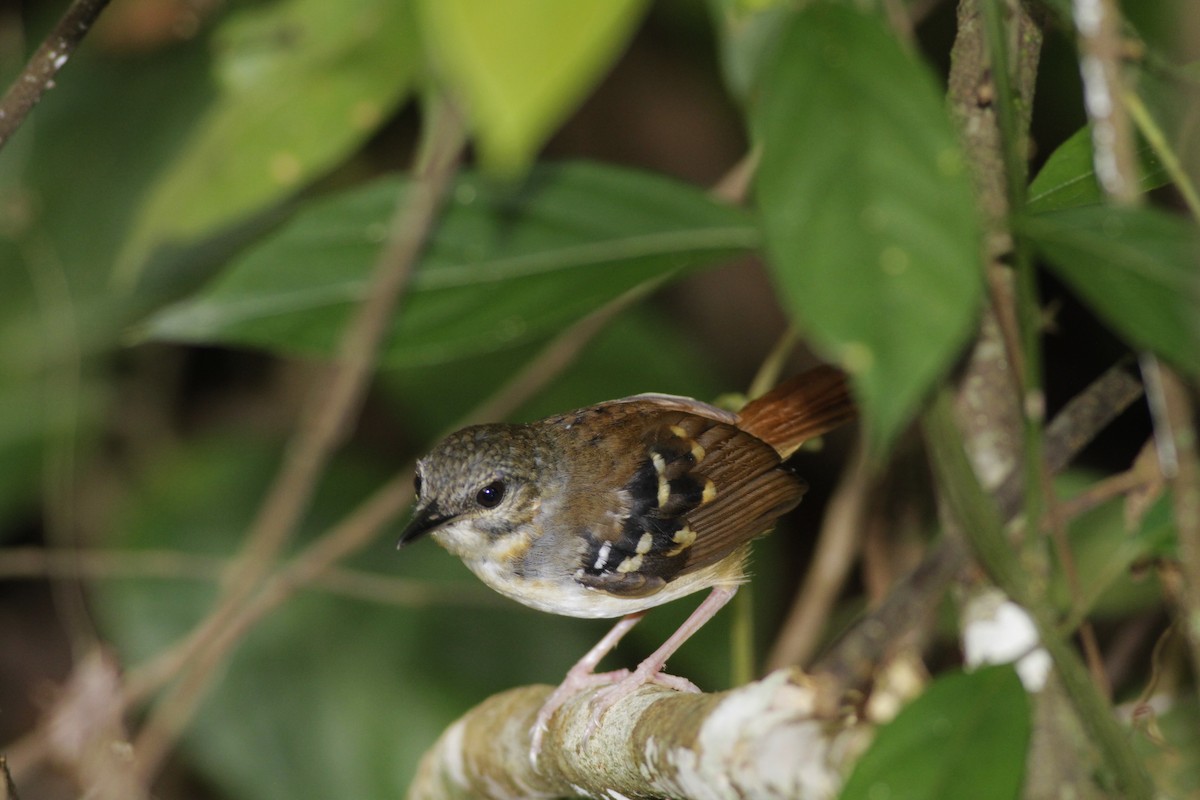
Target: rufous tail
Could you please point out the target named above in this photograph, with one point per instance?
(802, 407)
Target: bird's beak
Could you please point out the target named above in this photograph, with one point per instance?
(425, 520)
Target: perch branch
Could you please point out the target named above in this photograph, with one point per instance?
(656, 743)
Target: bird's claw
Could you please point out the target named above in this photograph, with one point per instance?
(618, 685)
(571, 685)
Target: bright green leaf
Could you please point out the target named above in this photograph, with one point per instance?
(966, 736)
(296, 86)
(1136, 267)
(1068, 178)
(505, 265)
(523, 65)
(869, 215)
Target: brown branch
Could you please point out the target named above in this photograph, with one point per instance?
(39, 562)
(8, 785)
(1179, 416)
(38, 75)
(655, 743)
(838, 545)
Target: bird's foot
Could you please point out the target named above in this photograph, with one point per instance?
(574, 682)
(618, 690)
(617, 684)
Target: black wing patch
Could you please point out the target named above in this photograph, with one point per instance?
(669, 486)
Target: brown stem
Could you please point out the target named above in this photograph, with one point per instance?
(1179, 414)
(330, 410)
(38, 75)
(838, 545)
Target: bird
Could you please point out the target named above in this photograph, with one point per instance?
(613, 509)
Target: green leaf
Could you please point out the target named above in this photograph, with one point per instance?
(966, 736)
(1135, 267)
(747, 35)
(523, 65)
(869, 216)
(504, 266)
(1104, 552)
(1068, 178)
(296, 85)
(430, 398)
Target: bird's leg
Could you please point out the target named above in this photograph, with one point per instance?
(581, 676)
(622, 682)
(650, 670)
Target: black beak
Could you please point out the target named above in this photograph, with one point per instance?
(424, 521)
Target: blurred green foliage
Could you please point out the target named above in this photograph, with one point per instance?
(222, 189)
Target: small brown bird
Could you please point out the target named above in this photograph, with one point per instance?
(613, 509)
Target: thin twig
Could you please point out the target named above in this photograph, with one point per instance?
(331, 412)
(983, 527)
(390, 500)
(1150, 130)
(18, 563)
(1098, 23)
(1102, 491)
(63, 377)
(10, 788)
(364, 524)
(838, 545)
(851, 661)
(1057, 523)
(1185, 506)
(38, 75)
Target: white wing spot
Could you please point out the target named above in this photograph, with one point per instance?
(602, 556)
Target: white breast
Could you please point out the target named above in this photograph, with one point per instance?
(572, 599)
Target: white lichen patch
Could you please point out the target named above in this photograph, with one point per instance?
(761, 741)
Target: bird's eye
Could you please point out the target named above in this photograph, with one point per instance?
(417, 483)
(491, 495)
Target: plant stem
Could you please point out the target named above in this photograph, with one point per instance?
(984, 532)
(38, 75)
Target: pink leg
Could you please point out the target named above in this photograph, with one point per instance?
(651, 670)
(582, 676)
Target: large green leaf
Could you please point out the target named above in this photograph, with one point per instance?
(1068, 178)
(868, 212)
(523, 65)
(504, 266)
(966, 736)
(296, 85)
(747, 34)
(1136, 267)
